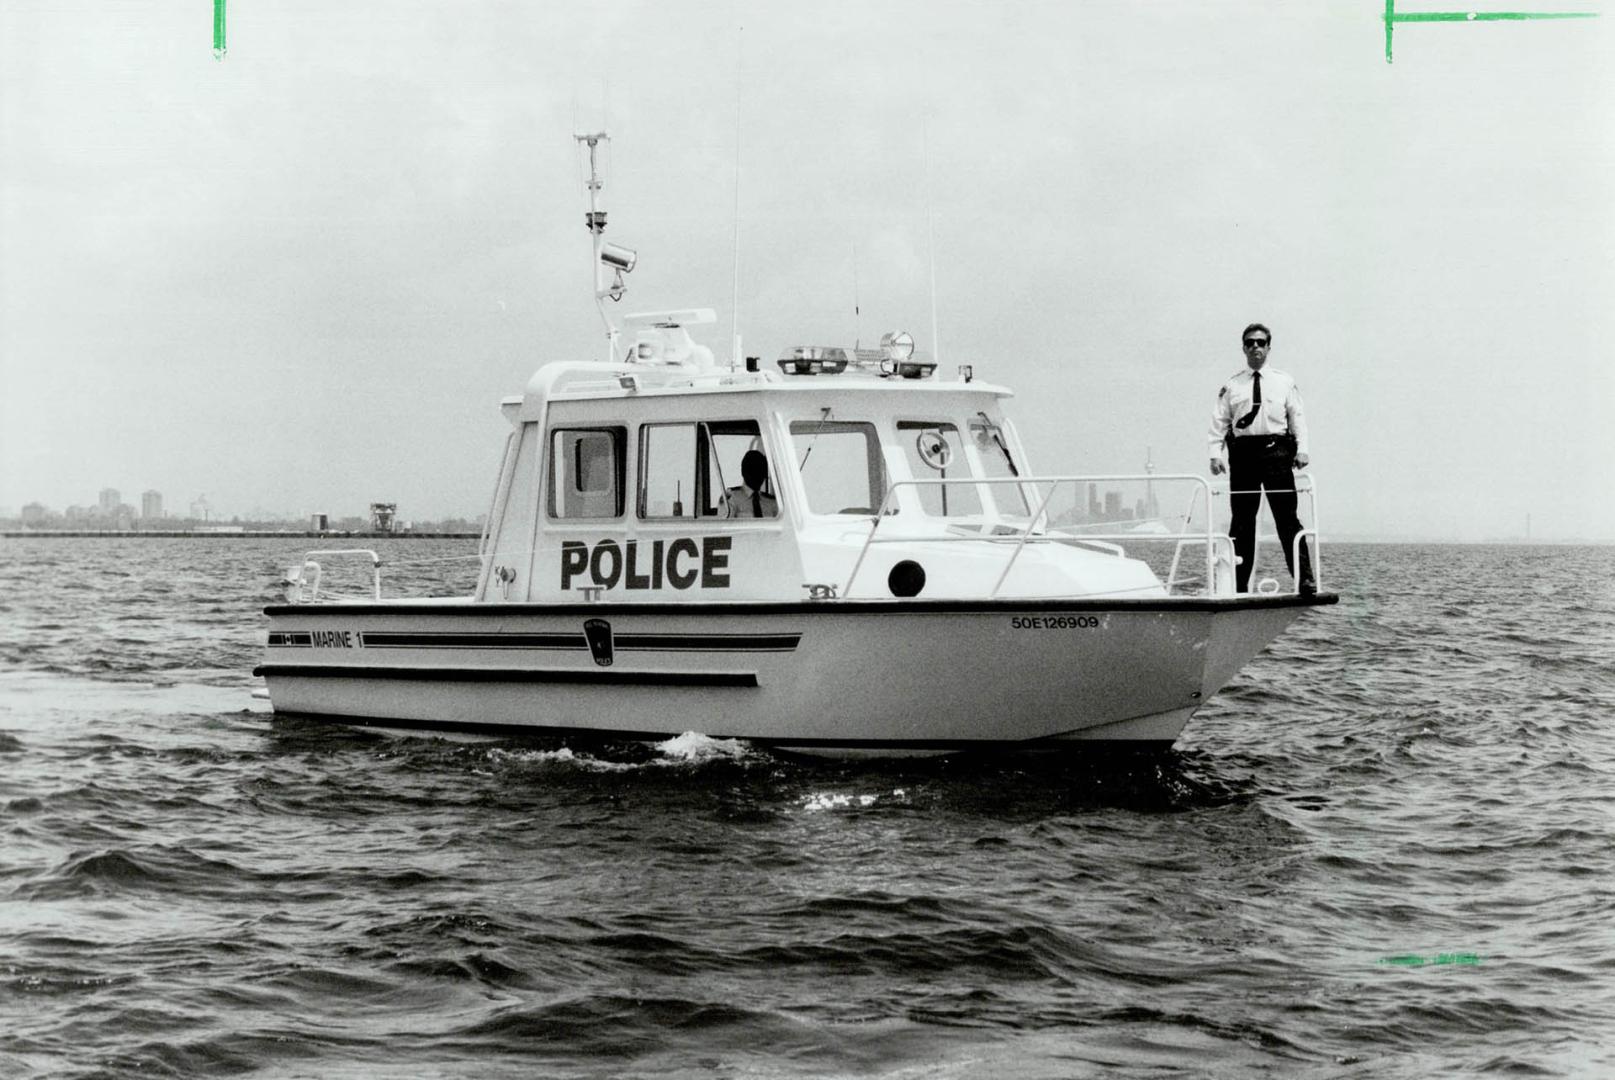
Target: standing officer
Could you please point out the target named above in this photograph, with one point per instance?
(1259, 417)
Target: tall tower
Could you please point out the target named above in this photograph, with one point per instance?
(151, 505)
(1152, 508)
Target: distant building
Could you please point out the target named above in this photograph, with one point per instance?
(34, 513)
(200, 508)
(381, 516)
(76, 513)
(110, 501)
(318, 522)
(151, 505)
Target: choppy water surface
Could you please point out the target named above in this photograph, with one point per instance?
(1385, 850)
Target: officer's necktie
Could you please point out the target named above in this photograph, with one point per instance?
(756, 504)
(1256, 402)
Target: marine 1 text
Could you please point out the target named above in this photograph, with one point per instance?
(333, 639)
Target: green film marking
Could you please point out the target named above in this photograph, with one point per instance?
(1392, 18)
(1407, 960)
(218, 29)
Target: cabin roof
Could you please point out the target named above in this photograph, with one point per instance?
(623, 381)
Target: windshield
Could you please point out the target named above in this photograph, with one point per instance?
(998, 464)
(934, 451)
(840, 465)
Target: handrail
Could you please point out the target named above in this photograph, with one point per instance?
(314, 591)
(1222, 562)
(1315, 562)
(1027, 533)
(1304, 487)
(1031, 522)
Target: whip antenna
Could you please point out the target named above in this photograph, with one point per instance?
(735, 359)
(930, 235)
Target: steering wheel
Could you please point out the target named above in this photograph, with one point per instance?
(934, 449)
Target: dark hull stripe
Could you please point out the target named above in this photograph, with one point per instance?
(731, 608)
(1059, 746)
(589, 677)
(710, 642)
(388, 639)
(391, 639)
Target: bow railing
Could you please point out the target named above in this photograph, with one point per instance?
(1190, 552)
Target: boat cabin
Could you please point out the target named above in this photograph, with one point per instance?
(665, 478)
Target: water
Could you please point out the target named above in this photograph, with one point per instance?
(1384, 851)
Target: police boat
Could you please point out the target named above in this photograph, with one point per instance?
(840, 553)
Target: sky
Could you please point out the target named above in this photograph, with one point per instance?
(301, 278)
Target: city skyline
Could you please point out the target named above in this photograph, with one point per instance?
(1102, 505)
(200, 510)
(109, 503)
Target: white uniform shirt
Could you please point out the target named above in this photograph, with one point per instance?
(1281, 412)
(737, 503)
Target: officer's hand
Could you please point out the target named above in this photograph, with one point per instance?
(1216, 466)
(1301, 461)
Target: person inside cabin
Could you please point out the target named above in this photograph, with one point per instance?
(749, 500)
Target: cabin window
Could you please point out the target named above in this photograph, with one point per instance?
(934, 451)
(684, 469)
(587, 468)
(840, 465)
(998, 464)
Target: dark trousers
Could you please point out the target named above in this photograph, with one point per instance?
(1256, 462)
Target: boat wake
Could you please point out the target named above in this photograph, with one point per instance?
(682, 751)
(694, 748)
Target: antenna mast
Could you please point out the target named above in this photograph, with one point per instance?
(620, 258)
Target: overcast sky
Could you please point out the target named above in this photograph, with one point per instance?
(301, 278)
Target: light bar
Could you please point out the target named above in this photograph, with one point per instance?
(813, 360)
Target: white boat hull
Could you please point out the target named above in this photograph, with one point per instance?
(884, 677)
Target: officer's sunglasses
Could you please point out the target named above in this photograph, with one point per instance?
(1251, 343)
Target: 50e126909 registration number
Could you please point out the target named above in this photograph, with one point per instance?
(1054, 622)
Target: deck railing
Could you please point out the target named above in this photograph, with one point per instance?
(1196, 530)
(304, 589)
(1305, 491)
(1197, 541)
